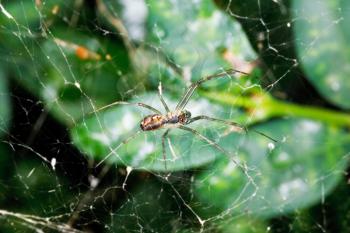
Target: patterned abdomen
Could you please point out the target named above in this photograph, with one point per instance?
(152, 122)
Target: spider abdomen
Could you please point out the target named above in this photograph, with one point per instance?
(157, 121)
(152, 122)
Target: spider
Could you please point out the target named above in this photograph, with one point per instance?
(180, 117)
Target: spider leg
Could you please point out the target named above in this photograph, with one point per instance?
(193, 86)
(160, 94)
(128, 103)
(113, 151)
(242, 165)
(230, 123)
(165, 134)
(211, 142)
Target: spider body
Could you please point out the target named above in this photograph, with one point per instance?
(170, 120)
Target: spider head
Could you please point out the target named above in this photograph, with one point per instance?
(185, 116)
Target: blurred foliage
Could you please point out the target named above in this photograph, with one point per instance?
(193, 35)
(5, 109)
(268, 26)
(74, 57)
(60, 65)
(290, 177)
(152, 212)
(324, 53)
(31, 188)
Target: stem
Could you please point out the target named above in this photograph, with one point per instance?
(266, 107)
(321, 114)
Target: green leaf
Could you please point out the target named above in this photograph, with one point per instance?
(100, 135)
(73, 87)
(306, 165)
(70, 85)
(322, 46)
(5, 104)
(194, 35)
(22, 25)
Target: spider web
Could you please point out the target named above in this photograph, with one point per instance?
(65, 168)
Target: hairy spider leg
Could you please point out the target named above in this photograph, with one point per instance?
(164, 136)
(113, 152)
(189, 91)
(231, 123)
(211, 142)
(160, 94)
(128, 103)
(243, 166)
